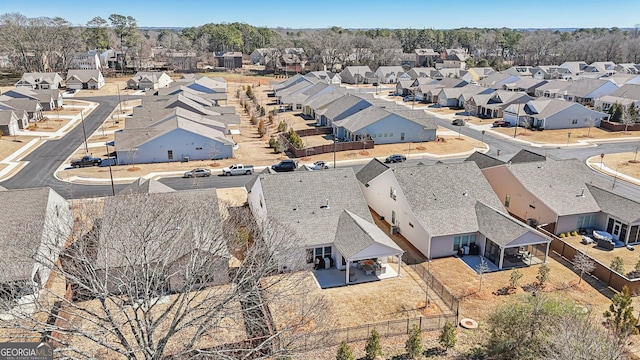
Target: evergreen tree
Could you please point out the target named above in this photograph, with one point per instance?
(344, 352)
(448, 336)
(373, 348)
(619, 317)
(414, 342)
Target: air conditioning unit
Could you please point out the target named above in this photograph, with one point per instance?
(395, 230)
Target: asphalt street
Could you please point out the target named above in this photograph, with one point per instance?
(48, 157)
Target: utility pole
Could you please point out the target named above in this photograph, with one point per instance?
(84, 132)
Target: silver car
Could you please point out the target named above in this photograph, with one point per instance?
(199, 172)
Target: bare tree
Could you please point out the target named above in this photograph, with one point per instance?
(628, 117)
(482, 269)
(583, 264)
(149, 279)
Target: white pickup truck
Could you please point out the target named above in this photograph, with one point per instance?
(237, 169)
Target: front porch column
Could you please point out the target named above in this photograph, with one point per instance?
(501, 258)
(399, 263)
(347, 271)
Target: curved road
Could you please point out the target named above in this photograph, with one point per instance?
(50, 155)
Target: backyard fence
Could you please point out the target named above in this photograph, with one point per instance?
(438, 288)
(363, 332)
(600, 272)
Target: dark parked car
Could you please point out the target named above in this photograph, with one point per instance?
(458, 122)
(501, 123)
(285, 165)
(86, 161)
(395, 158)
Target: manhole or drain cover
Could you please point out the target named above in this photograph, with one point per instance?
(469, 323)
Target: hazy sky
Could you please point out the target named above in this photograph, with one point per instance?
(345, 13)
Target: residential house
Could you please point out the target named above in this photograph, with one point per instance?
(326, 76)
(426, 57)
(550, 114)
(261, 56)
(493, 105)
(229, 60)
(622, 78)
(340, 108)
(627, 68)
(405, 59)
(84, 79)
(541, 191)
(498, 79)
(520, 70)
(321, 100)
(584, 91)
(149, 80)
(479, 73)
(31, 107)
(525, 84)
(297, 96)
(573, 68)
(293, 95)
(601, 67)
(386, 126)
(452, 61)
(48, 99)
(552, 89)
(35, 225)
(429, 89)
(293, 62)
(421, 72)
(37, 80)
(331, 225)
(89, 60)
(546, 72)
(391, 74)
(13, 120)
(174, 139)
(355, 74)
(625, 95)
(455, 212)
(450, 97)
(406, 87)
(169, 247)
(182, 60)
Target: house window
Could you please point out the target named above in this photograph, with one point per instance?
(170, 154)
(574, 121)
(392, 193)
(507, 200)
(390, 134)
(385, 134)
(374, 135)
(456, 243)
(401, 136)
(198, 148)
(319, 252)
(379, 135)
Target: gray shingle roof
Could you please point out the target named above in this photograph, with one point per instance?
(145, 186)
(618, 206)
(558, 184)
(526, 156)
(355, 234)
(502, 229)
(370, 171)
(298, 199)
(443, 196)
(22, 228)
(483, 160)
(125, 227)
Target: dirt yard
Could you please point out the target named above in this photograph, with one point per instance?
(358, 304)
(8, 146)
(625, 163)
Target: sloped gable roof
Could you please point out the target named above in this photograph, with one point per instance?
(355, 234)
(372, 170)
(145, 186)
(615, 205)
(526, 156)
(483, 160)
(501, 228)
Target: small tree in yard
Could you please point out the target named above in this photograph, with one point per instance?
(482, 269)
(413, 346)
(619, 317)
(543, 275)
(448, 336)
(262, 130)
(514, 278)
(373, 348)
(628, 117)
(344, 352)
(282, 126)
(617, 265)
(583, 264)
(249, 92)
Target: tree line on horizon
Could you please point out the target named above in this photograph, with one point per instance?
(53, 41)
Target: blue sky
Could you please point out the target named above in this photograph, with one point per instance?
(345, 13)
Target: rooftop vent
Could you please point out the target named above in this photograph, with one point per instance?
(465, 193)
(581, 193)
(326, 205)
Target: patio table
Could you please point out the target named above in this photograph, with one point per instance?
(368, 269)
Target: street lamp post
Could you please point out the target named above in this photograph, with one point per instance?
(515, 128)
(482, 138)
(568, 138)
(335, 140)
(84, 133)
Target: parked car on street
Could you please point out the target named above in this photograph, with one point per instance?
(238, 169)
(86, 161)
(395, 158)
(318, 165)
(458, 122)
(285, 165)
(198, 172)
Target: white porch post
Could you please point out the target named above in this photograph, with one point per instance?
(399, 263)
(501, 258)
(347, 271)
(546, 253)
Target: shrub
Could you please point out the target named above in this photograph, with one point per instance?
(448, 336)
(514, 279)
(373, 348)
(617, 265)
(295, 139)
(344, 352)
(282, 127)
(562, 235)
(413, 346)
(543, 275)
(262, 130)
(254, 120)
(574, 233)
(249, 92)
